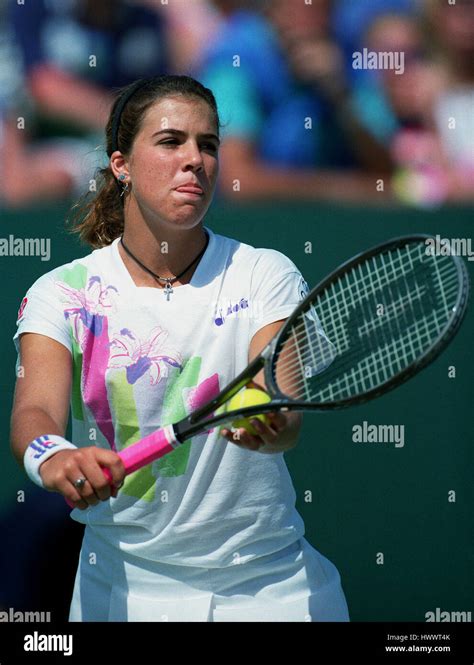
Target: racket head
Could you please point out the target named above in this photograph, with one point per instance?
(402, 274)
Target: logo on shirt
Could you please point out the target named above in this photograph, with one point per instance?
(303, 288)
(24, 302)
(231, 310)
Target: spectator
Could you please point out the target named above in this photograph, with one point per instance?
(73, 55)
(26, 173)
(284, 131)
(400, 110)
(352, 19)
(190, 26)
(453, 27)
(387, 100)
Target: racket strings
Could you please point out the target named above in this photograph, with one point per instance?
(337, 297)
(399, 352)
(365, 373)
(382, 280)
(396, 353)
(392, 308)
(381, 316)
(397, 307)
(334, 298)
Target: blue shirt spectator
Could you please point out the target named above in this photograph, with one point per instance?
(74, 52)
(127, 40)
(352, 18)
(259, 99)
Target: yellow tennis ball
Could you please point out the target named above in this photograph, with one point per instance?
(245, 398)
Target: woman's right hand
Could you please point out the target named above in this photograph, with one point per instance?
(61, 470)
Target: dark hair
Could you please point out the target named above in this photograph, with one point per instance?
(100, 219)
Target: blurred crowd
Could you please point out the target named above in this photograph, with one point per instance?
(350, 100)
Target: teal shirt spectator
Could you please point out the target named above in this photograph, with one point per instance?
(372, 108)
(260, 101)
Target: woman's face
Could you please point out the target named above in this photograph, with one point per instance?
(173, 163)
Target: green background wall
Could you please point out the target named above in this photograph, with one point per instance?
(366, 498)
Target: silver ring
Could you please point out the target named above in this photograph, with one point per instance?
(79, 483)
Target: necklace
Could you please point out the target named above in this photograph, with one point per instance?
(168, 281)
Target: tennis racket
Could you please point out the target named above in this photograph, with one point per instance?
(386, 313)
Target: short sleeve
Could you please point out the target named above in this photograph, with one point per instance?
(42, 311)
(277, 288)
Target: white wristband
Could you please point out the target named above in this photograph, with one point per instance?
(41, 449)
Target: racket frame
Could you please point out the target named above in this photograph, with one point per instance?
(192, 425)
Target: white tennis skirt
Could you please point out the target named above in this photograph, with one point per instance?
(294, 584)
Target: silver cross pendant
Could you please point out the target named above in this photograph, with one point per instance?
(168, 289)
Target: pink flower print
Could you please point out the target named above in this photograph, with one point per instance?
(94, 387)
(203, 393)
(139, 357)
(88, 307)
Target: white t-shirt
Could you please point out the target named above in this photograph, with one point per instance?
(141, 362)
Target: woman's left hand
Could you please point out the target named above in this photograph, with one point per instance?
(280, 433)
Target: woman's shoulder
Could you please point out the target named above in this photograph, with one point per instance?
(258, 258)
(76, 271)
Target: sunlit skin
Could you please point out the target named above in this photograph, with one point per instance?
(177, 143)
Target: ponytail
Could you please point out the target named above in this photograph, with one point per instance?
(99, 219)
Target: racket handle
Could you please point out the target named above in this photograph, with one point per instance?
(143, 452)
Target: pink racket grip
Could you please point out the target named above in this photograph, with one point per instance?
(143, 452)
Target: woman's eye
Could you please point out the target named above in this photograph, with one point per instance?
(204, 146)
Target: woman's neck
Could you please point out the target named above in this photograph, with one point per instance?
(166, 252)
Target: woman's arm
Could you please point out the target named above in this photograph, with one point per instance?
(282, 432)
(41, 400)
(41, 406)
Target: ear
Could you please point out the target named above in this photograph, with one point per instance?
(119, 164)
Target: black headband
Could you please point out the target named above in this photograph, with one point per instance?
(119, 110)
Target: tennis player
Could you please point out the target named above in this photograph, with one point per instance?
(138, 333)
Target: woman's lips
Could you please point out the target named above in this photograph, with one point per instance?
(190, 189)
